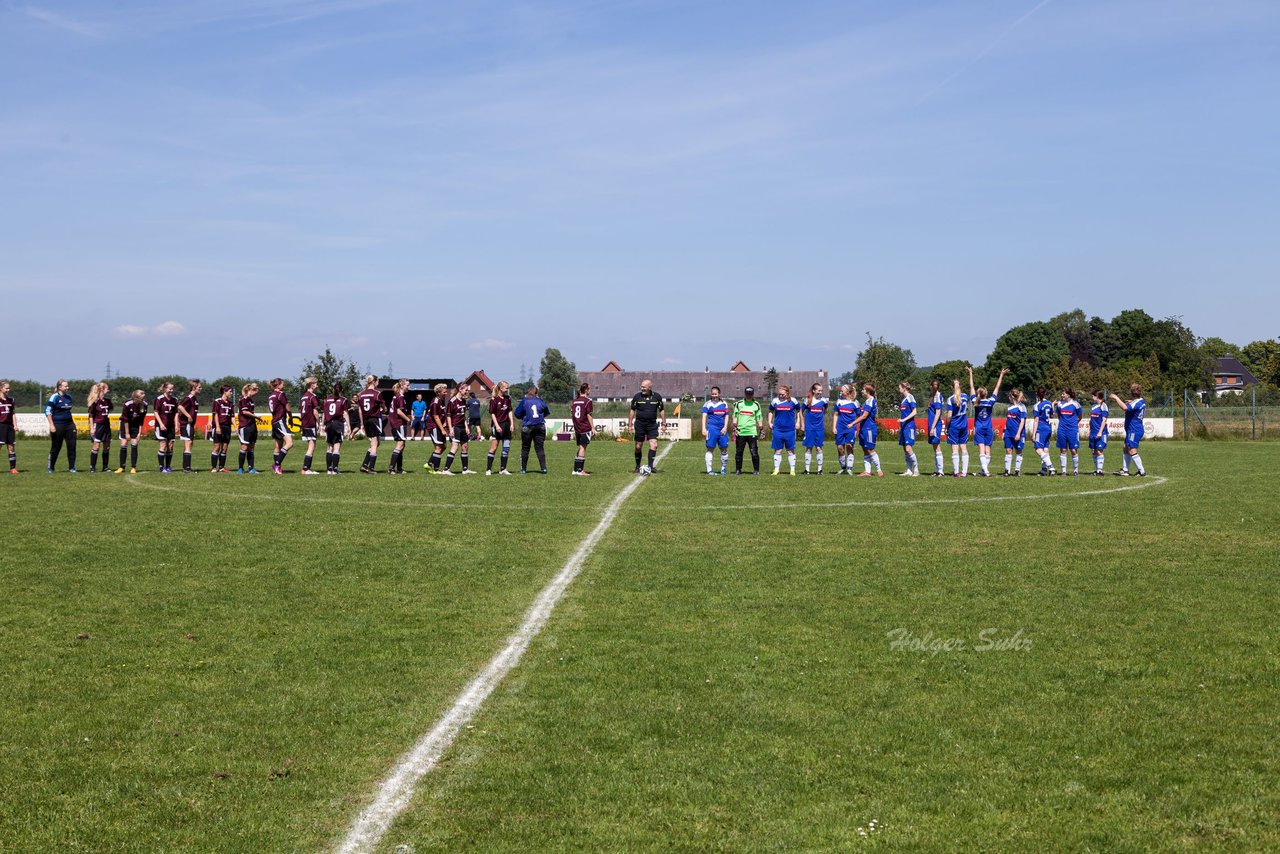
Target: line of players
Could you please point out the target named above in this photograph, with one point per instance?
(854, 424)
(335, 419)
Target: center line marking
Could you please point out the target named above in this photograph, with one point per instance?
(396, 791)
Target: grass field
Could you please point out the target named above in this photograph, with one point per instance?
(232, 663)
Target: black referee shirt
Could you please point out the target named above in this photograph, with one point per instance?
(646, 407)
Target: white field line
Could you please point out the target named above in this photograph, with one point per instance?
(910, 502)
(396, 790)
(320, 499)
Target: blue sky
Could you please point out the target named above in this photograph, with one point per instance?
(213, 188)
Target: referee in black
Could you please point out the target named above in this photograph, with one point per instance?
(643, 419)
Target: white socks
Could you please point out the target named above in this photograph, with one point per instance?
(1008, 462)
(1017, 463)
(1137, 461)
(708, 461)
(984, 460)
(875, 460)
(964, 460)
(806, 468)
(777, 461)
(791, 460)
(937, 459)
(808, 455)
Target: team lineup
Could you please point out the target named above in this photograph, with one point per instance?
(451, 422)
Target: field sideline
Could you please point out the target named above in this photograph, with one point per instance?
(198, 662)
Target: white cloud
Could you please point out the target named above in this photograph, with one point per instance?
(491, 344)
(170, 328)
(128, 330)
(838, 348)
(672, 360)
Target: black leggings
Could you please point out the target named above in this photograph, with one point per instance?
(751, 442)
(535, 436)
(63, 433)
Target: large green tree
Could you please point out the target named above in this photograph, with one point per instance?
(559, 380)
(1262, 358)
(1077, 330)
(1028, 351)
(884, 363)
(329, 369)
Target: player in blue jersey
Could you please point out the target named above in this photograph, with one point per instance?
(782, 424)
(1135, 409)
(907, 429)
(815, 425)
(984, 431)
(868, 430)
(1015, 431)
(1068, 412)
(1098, 413)
(714, 413)
(937, 424)
(1044, 430)
(958, 430)
(844, 424)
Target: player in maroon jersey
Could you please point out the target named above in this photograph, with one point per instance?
(278, 404)
(399, 420)
(100, 426)
(438, 424)
(220, 424)
(337, 425)
(584, 427)
(501, 426)
(459, 435)
(132, 417)
(308, 422)
(187, 409)
(369, 407)
(248, 428)
(8, 436)
(166, 413)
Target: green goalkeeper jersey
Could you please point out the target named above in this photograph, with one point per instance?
(747, 416)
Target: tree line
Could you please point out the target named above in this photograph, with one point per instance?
(1086, 353)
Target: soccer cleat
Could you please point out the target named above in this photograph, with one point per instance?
(120, 470)
(445, 472)
(904, 474)
(504, 471)
(49, 471)
(469, 471)
(775, 473)
(722, 471)
(72, 471)
(864, 474)
(637, 470)
(488, 473)
(252, 470)
(543, 471)
(1004, 474)
(522, 471)
(1142, 474)
(739, 471)
(879, 472)
(15, 471)
(1121, 473)
(793, 474)
(135, 471)
(309, 471)
(276, 470)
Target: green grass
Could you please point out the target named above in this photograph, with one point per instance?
(719, 677)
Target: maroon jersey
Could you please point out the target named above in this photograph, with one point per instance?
(133, 412)
(307, 410)
(99, 410)
(369, 402)
(458, 412)
(189, 405)
(247, 415)
(581, 411)
(397, 406)
(499, 411)
(334, 409)
(222, 410)
(438, 411)
(6, 410)
(278, 404)
(166, 408)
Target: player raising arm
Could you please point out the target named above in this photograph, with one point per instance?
(958, 430)
(1135, 409)
(984, 432)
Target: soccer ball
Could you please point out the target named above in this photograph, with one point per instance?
(645, 471)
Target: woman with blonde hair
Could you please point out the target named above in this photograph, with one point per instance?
(369, 410)
(399, 419)
(100, 426)
(501, 426)
(187, 409)
(248, 432)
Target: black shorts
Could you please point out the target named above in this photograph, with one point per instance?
(308, 434)
(436, 435)
(474, 422)
(222, 436)
(101, 432)
(398, 433)
(645, 432)
(501, 433)
(374, 427)
(248, 435)
(333, 432)
(187, 432)
(279, 429)
(583, 439)
(130, 429)
(460, 434)
(7, 436)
